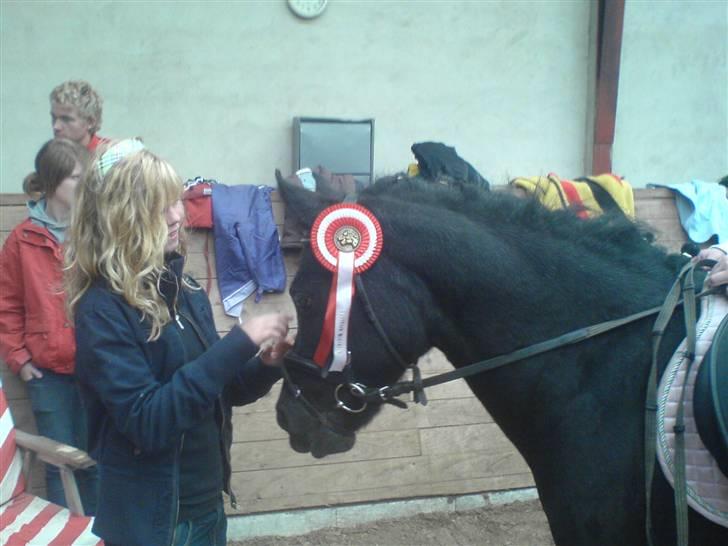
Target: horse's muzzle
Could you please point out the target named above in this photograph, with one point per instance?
(306, 432)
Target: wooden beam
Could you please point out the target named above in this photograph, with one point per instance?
(609, 50)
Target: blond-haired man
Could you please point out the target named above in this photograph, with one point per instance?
(76, 113)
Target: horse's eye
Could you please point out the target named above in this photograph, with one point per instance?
(302, 301)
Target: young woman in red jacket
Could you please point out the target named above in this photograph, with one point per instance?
(36, 338)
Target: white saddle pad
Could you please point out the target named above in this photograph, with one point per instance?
(707, 487)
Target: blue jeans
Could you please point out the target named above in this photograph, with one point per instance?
(60, 416)
(206, 530)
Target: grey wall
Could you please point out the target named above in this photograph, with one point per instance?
(213, 86)
(672, 117)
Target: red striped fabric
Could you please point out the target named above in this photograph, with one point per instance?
(10, 512)
(12, 481)
(25, 519)
(30, 520)
(572, 194)
(77, 532)
(7, 450)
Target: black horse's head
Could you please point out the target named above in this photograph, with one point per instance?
(321, 411)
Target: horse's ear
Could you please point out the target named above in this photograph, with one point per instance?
(303, 204)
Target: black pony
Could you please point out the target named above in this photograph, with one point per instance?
(478, 274)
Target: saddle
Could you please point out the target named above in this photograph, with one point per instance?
(705, 413)
(710, 398)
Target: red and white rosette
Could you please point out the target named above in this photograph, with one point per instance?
(346, 239)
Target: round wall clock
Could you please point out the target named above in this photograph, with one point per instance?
(307, 9)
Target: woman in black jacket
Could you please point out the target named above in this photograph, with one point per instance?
(157, 380)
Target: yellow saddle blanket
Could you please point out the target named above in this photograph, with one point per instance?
(590, 195)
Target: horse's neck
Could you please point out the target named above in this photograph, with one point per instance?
(520, 298)
(513, 304)
(500, 286)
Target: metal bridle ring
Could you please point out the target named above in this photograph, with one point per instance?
(355, 389)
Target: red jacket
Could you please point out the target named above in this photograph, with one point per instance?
(33, 322)
(95, 142)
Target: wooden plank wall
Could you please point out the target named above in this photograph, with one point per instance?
(449, 447)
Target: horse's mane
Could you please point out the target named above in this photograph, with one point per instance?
(613, 236)
(492, 245)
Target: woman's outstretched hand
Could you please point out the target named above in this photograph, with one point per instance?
(270, 327)
(273, 354)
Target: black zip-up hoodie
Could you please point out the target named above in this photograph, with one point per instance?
(142, 396)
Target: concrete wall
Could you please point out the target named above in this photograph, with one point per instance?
(672, 117)
(213, 86)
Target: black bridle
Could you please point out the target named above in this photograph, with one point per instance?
(345, 386)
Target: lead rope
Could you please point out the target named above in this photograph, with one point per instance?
(569, 338)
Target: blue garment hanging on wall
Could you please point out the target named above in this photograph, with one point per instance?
(703, 209)
(247, 249)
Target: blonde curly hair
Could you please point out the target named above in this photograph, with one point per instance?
(118, 232)
(83, 97)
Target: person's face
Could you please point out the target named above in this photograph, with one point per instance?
(65, 193)
(68, 123)
(174, 216)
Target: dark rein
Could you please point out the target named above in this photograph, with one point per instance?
(417, 385)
